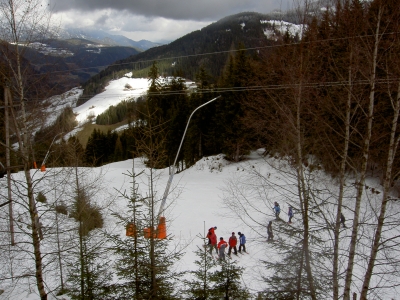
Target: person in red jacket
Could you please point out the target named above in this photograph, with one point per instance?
(232, 244)
(221, 247)
(212, 239)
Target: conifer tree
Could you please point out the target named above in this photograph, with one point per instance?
(201, 286)
(144, 262)
(132, 258)
(230, 109)
(176, 116)
(203, 133)
(227, 283)
(89, 269)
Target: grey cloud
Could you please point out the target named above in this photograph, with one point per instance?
(101, 21)
(173, 9)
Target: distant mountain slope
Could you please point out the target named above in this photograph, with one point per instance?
(72, 62)
(208, 47)
(102, 37)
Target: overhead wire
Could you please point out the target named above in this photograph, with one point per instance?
(220, 52)
(230, 89)
(249, 88)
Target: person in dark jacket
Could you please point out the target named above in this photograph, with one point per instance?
(232, 244)
(290, 214)
(242, 242)
(342, 220)
(269, 231)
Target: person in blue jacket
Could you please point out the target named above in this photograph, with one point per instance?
(242, 242)
(277, 209)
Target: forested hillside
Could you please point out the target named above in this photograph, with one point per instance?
(304, 87)
(208, 48)
(74, 61)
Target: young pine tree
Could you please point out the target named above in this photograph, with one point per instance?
(89, 272)
(201, 286)
(227, 282)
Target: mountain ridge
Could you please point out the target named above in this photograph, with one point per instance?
(207, 47)
(101, 36)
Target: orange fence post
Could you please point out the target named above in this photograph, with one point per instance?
(130, 229)
(162, 229)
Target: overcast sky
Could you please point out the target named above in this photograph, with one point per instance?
(154, 20)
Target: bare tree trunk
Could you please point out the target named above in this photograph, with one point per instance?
(8, 160)
(342, 172)
(304, 201)
(363, 170)
(33, 213)
(393, 144)
(59, 251)
(35, 236)
(298, 290)
(23, 20)
(152, 239)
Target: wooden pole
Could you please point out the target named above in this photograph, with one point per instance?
(8, 161)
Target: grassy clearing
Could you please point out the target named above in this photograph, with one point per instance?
(88, 128)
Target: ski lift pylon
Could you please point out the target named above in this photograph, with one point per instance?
(161, 232)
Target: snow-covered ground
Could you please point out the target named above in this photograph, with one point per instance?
(201, 197)
(114, 93)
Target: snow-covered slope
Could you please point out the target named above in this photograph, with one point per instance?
(202, 197)
(117, 90)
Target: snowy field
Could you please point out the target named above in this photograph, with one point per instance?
(200, 198)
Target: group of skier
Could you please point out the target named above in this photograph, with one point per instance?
(222, 245)
(232, 242)
(277, 210)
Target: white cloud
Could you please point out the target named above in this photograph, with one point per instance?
(154, 20)
(135, 27)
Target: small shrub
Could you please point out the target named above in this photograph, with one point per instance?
(41, 198)
(61, 208)
(62, 292)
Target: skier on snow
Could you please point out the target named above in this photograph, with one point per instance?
(212, 239)
(290, 214)
(242, 241)
(221, 247)
(232, 244)
(277, 210)
(269, 231)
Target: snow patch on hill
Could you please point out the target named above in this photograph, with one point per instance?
(283, 27)
(114, 93)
